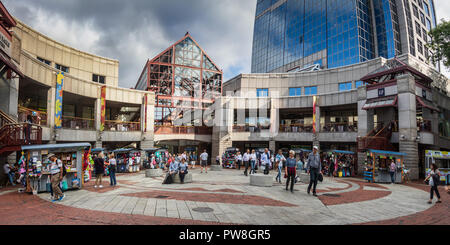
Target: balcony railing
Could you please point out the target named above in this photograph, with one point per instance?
(39, 117)
(183, 130)
(296, 128)
(20, 134)
(247, 128)
(121, 126)
(78, 123)
(339, 127)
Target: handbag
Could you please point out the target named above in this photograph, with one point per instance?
(320, 177)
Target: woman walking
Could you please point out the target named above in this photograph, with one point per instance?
(183, 169)
(253, 160)
(99, 164)
(433, 179)
(280, 159)
(112, 169)
(289, 171)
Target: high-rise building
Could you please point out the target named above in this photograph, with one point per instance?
(292, 34)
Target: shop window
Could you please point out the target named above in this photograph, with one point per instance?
(345, 86)
(98, 78)
(359, 84)
(44, 61)
(62, 68)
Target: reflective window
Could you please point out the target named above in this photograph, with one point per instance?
(315, 26)
(262, 92)
(345, 86)
(433, 16)
(262, 5)
(388, 30)
(211, 84)
(311, 90)
(276, 38)
(295, 91)
(359, 84)
(428, 24)
(260, 42)
(187, 53)
(44, 61)
(187, 82)
(425, 7)
(294, 31)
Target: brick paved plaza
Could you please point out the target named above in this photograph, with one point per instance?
(230, 199)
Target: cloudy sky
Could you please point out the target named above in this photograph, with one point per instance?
(136, 30)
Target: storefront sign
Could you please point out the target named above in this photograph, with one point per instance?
(59, 99)
(102, 108)
(438, 154)
(381, 92)
(5, 43)
(314, 114)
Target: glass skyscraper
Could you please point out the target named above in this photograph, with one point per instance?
(292, 34)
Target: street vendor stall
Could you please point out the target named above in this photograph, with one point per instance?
(344, 163)
(229, 157)
(161, 154)
(377, 166)
(128, 160)
(442, 160)
(38, 165)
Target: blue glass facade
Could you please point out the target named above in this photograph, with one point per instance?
(349, 31)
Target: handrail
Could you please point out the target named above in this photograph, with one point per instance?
(20, 134)
(6, 118)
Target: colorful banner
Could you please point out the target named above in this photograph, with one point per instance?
(102, 108)
(314, 113)
(145, 113)
(59, 99)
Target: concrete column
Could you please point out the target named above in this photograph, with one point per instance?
(435, 126)
(9, 92)
(51, 104)
(98, 144)
(407, 123)
(272, 146)
(97, 113)
(274, 117)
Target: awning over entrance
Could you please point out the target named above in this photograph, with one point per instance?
(10, 65)
(426, 104)
(381, 102)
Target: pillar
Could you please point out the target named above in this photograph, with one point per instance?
(51, 100)
(223, 126)
(407, 123)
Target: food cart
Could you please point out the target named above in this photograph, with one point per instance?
(377, 166)
(38, 165)
(442, 160)
(345, 160)
(128, 160)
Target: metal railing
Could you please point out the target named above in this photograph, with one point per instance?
(69, 122)
(39, 117)
(20, 134)
(247, 128)
(296, 128)
(339, 127)
(183, 130)
(6, 119)
(120, 126)
(376, 143)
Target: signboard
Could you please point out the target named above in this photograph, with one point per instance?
(5, 42)
(59, 99)
(102, 108)
(314, 114)
(381, 92)
(437, 154)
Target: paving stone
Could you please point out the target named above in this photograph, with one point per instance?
(150, 207)
(140, 206)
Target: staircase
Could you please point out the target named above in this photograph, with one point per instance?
(377, 139)
(13, 134)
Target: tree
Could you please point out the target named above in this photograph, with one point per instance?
(440, 44)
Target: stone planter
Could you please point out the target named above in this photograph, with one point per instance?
(187, 178)
(153, 173)
(261, 180)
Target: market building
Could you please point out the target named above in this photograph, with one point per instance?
(70, 95)
(186, 82)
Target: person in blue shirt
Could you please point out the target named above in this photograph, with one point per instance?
(265, 161)
(290, 170)
(183, 169)
(279, 159)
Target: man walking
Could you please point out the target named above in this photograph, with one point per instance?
(314, 167)
(246, 159)
(239, 160)
(56, 177)
(204, 161)
(265, 161)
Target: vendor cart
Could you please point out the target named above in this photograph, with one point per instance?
(38, 165)
(128, 160)
(442, 160)
(345, 162)
(377, 166)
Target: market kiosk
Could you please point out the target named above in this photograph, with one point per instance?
(442, 160)
(37, 165)
(128, 160)
(345, 162)
(377, 166)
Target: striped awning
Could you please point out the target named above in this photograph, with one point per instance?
(381, 102)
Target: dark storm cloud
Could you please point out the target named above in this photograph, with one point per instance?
(133, 31)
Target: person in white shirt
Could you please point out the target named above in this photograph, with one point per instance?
(239, 160)
(265, 161)
(246, 160)
(56, 177)
(253, 159)
(9, 173)
(204, 161)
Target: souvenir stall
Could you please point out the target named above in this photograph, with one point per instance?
(228, 158)
(442, 160)
(162, 154)
(88, 165)
(128, 160)
(38, 165)
(378, 163)
(344, 161)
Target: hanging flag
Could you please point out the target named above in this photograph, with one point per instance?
(145, 113)
(102, 108)
(314, 113)
(59, 99)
